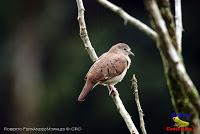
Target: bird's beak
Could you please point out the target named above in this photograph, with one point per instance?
(131, 53)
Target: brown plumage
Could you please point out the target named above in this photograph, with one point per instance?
(109, 69)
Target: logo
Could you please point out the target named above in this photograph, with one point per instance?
(180, 122)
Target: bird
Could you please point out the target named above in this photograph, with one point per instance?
(108, 70)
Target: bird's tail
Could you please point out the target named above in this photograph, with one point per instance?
(86, 89)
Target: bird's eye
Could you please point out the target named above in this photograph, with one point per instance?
(125, 49)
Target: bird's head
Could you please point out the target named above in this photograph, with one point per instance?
(121, 48)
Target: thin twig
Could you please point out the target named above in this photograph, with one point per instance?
(179, 25)
(129, 19)
(84, 36)
(137, 100)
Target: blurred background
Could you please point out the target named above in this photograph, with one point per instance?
(43, 64)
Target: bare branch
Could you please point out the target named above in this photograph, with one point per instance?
(179, 25)
(83, 31)
(137, 100)
(184, 95)
(129, 19)
(170, 56)
(84, 36)
(161, 29)
(125, 115)
(165, 10)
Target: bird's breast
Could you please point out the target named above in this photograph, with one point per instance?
(129, 61)
(116, 79)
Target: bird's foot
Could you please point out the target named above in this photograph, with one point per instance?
(112, 90)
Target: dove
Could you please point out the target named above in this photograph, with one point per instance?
(108, 70)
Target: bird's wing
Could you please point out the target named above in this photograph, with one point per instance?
(95, 64)
(106, 67)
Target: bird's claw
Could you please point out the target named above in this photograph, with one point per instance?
(113, 91)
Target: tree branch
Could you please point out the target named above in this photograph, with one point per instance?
(137, 100)
(184, 95)
(129, 19)
(83, 31)
(125, 115)
(165, 10)
(179, 25)
(173, 60)
(84, 36)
